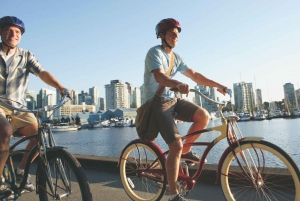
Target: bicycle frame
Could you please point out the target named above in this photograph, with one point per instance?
(41, 148)
(228, 129)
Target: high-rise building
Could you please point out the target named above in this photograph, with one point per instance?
(136, 96)
(74, 95)
(31, 99)
(209, 92)
(243, 96)
(289, 95)
(46, 97)
(130, 94)
(85, 97)
(259, 103)
(94, 93)
(297, 92)
(102, 105)
(116, 95)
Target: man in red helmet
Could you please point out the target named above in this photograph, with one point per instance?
(15, 66)
(156, 65)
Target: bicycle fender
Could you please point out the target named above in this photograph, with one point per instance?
(151, 144)
(228, 150)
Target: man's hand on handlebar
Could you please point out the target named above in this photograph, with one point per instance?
(65, 91)
(182, 88)
(222, 89)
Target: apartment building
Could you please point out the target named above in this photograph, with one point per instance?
(243, 96)
(117, 95)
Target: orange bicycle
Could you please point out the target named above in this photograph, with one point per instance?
(250, 168)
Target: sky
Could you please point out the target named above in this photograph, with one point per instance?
(87, 44)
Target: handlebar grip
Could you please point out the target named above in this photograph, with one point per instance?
(229, 92)
(65, 92)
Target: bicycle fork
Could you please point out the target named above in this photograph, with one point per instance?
(253, 169)
(58, 168)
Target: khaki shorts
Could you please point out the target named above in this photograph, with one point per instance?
(18, 120)
(169, 110)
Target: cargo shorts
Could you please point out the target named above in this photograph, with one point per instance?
(168, 111)
(18, 120)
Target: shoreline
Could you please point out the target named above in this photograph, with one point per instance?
(208, 175)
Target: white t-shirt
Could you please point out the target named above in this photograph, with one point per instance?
(158, 58)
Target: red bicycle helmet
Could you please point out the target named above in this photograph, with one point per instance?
(166, 24)
(11, 20)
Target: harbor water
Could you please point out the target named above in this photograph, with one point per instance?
(285, 133)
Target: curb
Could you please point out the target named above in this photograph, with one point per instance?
(110, 164)
(208, 175)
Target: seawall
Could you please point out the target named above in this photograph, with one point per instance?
(208, 175)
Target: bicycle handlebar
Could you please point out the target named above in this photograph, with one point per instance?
(45, 109)
(228, 91)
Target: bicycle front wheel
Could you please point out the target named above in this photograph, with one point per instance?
(139, 184)
(260, 171)
(63, 179)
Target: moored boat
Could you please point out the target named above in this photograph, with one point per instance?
(64, 127)
(244, 118)
(259, 117)
(277, 113)
(296, 113)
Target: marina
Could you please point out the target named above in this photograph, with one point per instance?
(285, 133)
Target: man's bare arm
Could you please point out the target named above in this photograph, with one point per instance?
(49, 79)
(201, 79)
(163, 79)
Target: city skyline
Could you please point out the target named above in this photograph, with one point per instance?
(93, 42)
(257, 99)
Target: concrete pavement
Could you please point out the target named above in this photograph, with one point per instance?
(107, 186)
(105, 183)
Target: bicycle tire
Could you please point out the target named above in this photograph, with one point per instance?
(80, 189)
(276, 176)
(141, 186)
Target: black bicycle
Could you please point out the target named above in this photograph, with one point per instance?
(59, 176)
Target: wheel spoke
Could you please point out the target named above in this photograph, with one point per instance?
(67, 179)
(259, 171)
(140, 183)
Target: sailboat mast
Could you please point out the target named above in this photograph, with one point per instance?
(297, 106)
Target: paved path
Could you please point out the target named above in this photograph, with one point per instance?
(107, 186)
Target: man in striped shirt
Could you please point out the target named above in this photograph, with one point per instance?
(15, 65)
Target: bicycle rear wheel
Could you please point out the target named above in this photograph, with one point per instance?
(66, 177)
(265, 172)
(138, 183)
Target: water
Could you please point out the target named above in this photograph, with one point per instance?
(110, 141)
